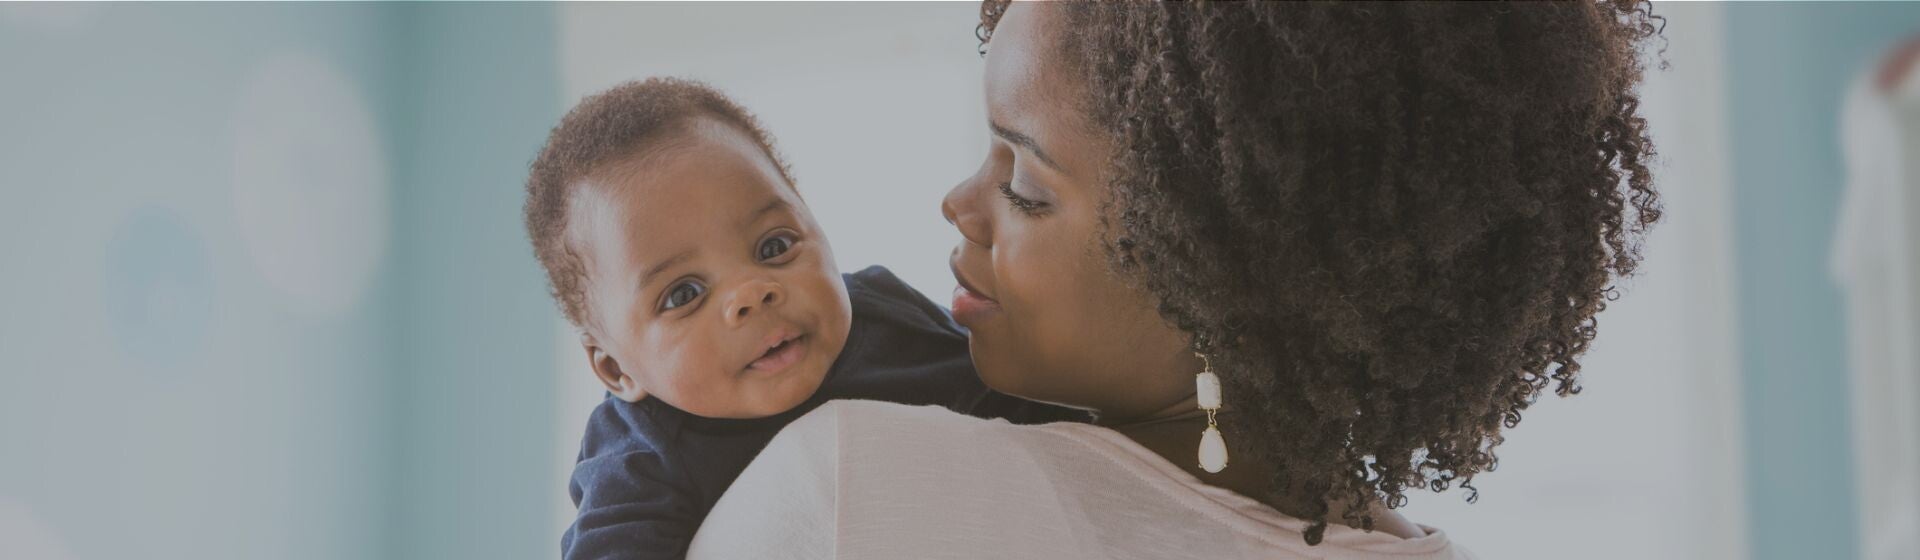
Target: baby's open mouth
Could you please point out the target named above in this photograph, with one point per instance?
(781, 355)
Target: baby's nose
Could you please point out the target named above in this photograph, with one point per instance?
(756, 295)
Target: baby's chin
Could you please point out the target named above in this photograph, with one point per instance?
(789, 390)
(755, 395)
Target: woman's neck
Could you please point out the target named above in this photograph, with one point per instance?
(1174, 434)
(1183, 410)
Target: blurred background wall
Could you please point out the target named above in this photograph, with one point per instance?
(196, 347)
(1789, 67)
(474, 373)
(265, 292)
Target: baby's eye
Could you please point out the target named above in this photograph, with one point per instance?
(773, 247)
(682, 294)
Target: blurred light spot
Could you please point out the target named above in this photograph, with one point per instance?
(309, 183)
(159, 290)
(24, 536)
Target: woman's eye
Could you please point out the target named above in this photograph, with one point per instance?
(1025, 205)
(682, 294)
(774, 246)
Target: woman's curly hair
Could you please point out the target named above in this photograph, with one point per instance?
(1389, 226)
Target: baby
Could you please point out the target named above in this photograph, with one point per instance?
(710, 306)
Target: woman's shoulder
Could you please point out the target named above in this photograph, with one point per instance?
(840, 410)
(860, 422)
(852, 439)
(869, 479)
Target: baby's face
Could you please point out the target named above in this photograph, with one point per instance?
(709, 285)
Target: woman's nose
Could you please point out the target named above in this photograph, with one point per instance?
(753, 296)
(958, 207)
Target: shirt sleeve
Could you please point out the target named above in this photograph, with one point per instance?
(628, 510)
(784, 505)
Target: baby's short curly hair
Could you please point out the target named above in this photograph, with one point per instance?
(609, 128)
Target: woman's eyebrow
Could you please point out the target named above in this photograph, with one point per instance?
(1024, 141)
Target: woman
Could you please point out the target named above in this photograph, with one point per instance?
(1384, 229)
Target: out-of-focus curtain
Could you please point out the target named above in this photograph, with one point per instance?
(1873, 261)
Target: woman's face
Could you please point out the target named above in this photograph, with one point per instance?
(1050, 322)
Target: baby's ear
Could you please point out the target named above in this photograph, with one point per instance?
(608, 371)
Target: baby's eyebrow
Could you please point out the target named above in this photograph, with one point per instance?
(774, 205)
(662, 266)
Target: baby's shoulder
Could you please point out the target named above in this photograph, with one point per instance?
(873, 277)
(620, 427)
(876, 291)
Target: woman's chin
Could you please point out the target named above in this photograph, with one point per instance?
(1008, 375)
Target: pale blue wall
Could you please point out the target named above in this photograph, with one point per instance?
(1789, 66)
(160, 396)
(477, 349)
(178, 380)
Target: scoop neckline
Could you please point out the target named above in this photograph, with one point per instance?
(1245, 514)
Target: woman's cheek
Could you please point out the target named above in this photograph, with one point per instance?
(1046, 289)
(1018, 273)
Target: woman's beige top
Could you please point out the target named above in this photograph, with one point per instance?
(874, 480)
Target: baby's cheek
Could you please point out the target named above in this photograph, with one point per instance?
(812, 294)
(685, 369)
(697, 376)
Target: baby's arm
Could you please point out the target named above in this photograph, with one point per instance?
(629, 509)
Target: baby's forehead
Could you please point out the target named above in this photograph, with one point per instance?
(684, 195)
(708, 178)
(700, 153)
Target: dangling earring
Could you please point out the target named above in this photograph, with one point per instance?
(1213, 448)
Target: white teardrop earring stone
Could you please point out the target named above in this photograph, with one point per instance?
(1213, 450)
(1207, 388)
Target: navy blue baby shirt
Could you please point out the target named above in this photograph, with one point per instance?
(648, 473)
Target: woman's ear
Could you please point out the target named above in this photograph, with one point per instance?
(608, 371)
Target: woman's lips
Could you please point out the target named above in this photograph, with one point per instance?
(969, 306)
